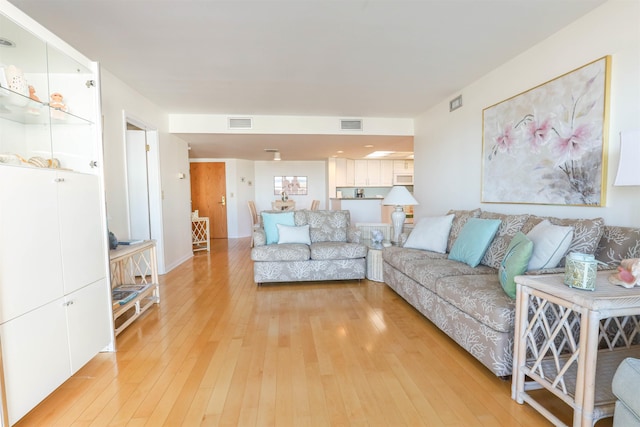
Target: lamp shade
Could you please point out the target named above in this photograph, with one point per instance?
(629, 165)
(398, 196)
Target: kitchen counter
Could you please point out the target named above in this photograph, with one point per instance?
(357, 198)
(361, 209)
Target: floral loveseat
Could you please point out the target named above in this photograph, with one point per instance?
(308, 245)
(468, 303)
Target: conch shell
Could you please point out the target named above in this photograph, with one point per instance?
(628, 274)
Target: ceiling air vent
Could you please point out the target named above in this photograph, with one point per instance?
(240, 123)
(350, 124)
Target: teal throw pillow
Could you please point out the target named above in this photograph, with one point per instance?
(270, 221)
(515, 262)
(474, 240)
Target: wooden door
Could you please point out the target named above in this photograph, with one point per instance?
(208, 195)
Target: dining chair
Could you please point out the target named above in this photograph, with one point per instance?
(255, 219)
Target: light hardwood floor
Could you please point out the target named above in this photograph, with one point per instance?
(220, 351)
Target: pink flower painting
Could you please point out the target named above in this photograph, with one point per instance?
(546, 145)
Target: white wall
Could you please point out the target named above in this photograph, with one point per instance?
(315, 171)
(176, 206)
(448, 146)
(249, 180)
(116, 98)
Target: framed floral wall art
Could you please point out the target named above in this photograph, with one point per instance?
(548, 144)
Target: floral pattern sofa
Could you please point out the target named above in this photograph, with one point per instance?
(469, 304)
(334, 252)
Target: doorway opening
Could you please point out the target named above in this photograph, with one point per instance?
(144, 191)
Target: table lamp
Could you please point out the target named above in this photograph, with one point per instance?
(628, 173)
(399, 196)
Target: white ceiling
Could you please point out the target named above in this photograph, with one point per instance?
(348, 58)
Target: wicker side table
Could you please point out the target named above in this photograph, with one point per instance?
(570, 341)
(374, 262)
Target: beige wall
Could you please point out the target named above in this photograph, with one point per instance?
(448, 146)
(117, 98)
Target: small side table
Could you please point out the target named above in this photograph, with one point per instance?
(134, 267)
(200, 233)
(570, 342)
(374, 262)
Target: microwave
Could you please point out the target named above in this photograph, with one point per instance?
(403, 178)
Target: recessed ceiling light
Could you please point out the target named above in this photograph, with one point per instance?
(6, 42)
(368, 146)
(339, 151)
(380, 153)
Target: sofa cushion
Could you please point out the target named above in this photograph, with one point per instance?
(550, 244)
(269, 220)
(427, 271)
(337, 250)
(284, 252)
(293, 234)
(431, 233)
(515, 262)
(481, 297)
(618, 243)
(586, 232)
(473, 241)
(460, 219)
(509, 226)
(328, 226)
(399, 257)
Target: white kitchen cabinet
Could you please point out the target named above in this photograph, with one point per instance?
(373, 173)
(55, 298)
(386, 173)
(344, 172)
(402, 166)
(361, 173)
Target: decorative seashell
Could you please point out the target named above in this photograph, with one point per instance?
(40, 162)
(54, 163)
(10, 159)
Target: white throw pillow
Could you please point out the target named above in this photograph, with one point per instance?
(289, 234)
(550, 243)
(431, 234)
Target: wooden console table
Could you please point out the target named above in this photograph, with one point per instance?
(571, 341)
(134, 266)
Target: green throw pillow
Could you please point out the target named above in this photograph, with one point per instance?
(269, 220)
(515, 262)
(474, 240)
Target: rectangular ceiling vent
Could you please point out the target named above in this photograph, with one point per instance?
(240, 123)
(350, 124)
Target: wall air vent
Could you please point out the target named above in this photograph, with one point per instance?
(350, 124)
(240, 123)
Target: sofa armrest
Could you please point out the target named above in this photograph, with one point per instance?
(259, 237)
(354, 235)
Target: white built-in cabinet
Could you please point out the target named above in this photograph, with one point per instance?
(55, 298)
(373, 173)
